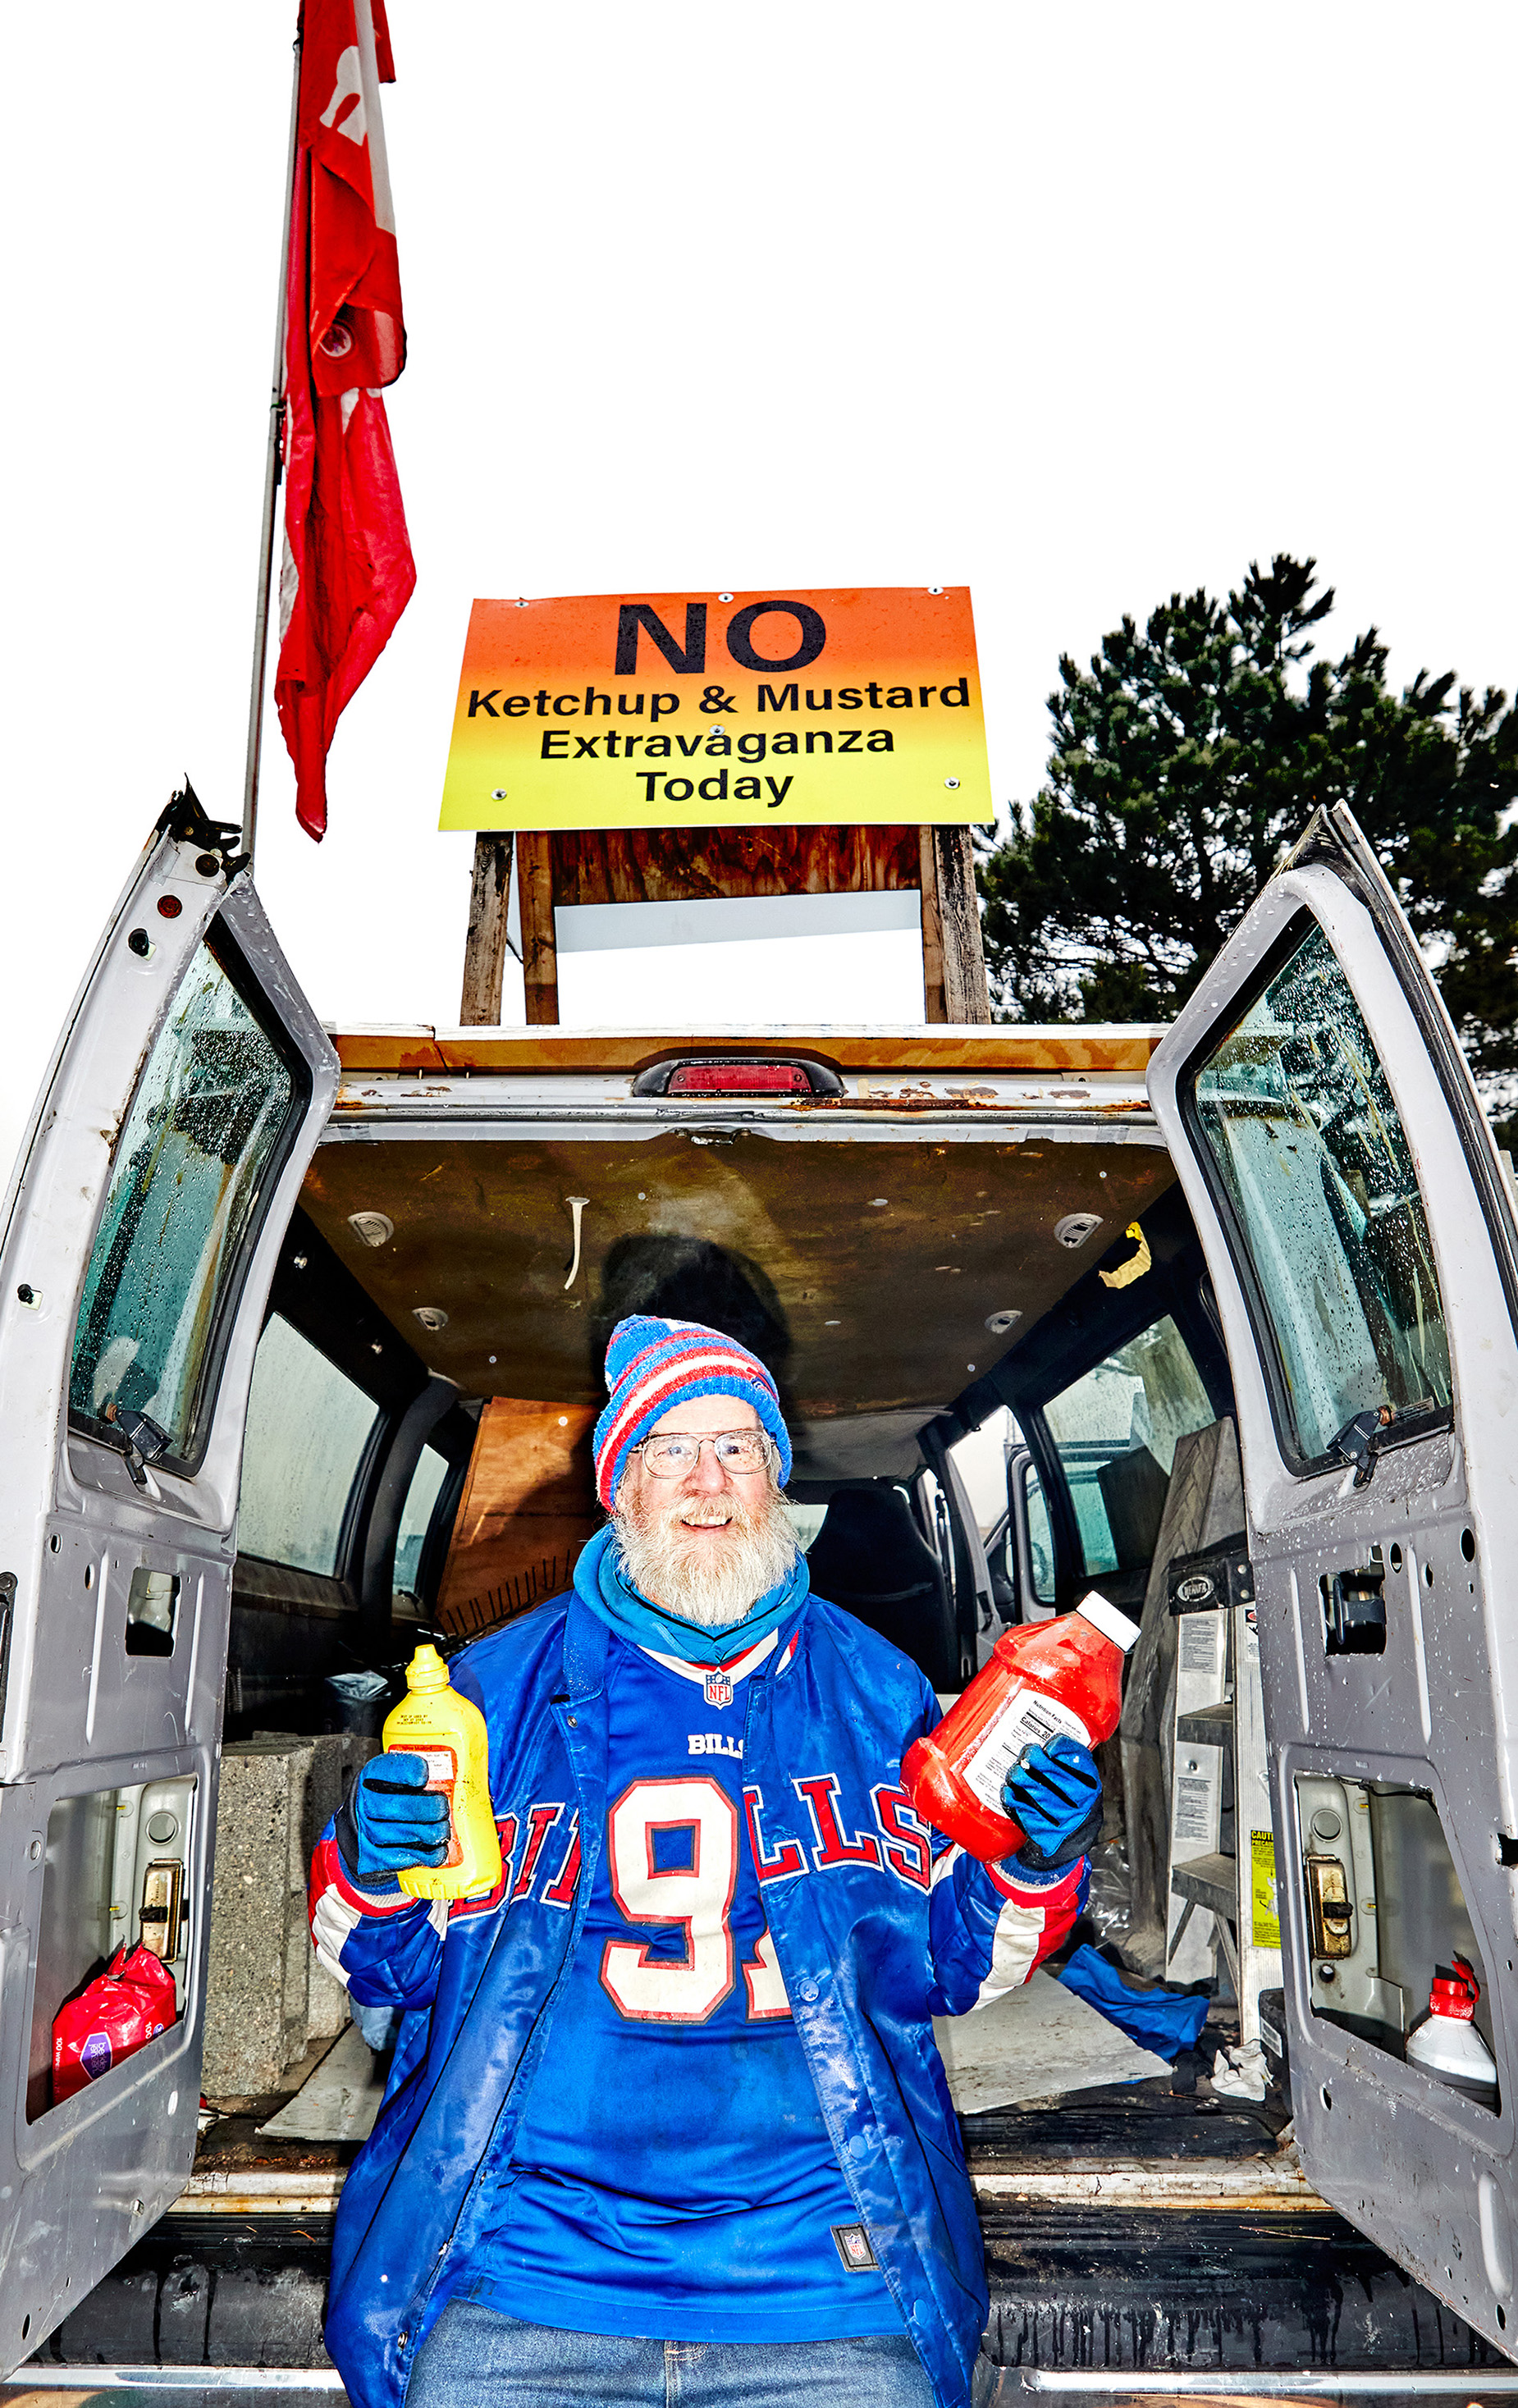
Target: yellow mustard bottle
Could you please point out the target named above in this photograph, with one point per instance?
(434, 1722)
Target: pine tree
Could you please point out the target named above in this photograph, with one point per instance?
(1190, 756)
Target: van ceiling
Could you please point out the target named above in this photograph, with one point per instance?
(863, 1272)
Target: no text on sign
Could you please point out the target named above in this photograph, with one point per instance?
(856, 706)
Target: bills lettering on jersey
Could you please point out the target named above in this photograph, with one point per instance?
(561, 1889)
(462, 1908)
(541, 1823)
(821, 1792)
(787, 1859)
(908, 1849)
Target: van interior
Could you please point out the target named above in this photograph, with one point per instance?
(992, 1329)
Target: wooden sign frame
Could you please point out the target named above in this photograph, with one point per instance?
(693, 865)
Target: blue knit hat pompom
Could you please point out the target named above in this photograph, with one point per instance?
(652, 1365)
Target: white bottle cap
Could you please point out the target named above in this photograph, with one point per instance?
(1106, 1619)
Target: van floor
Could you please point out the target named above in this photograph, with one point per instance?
(1076, 2282)
(1119, 2124)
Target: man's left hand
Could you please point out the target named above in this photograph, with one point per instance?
(1056, 1793)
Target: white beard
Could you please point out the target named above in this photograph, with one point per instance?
(713, 1588)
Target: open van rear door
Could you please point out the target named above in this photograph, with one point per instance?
(183, 1101)
(1361, 1241)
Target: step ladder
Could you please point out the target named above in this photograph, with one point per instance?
(1222, 1859)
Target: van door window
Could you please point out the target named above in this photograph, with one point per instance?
(310, 1429)
(1313, 1169)
(1041, 1538)
(1115, 1431)
(415, 1521)
(981, 1460)
(212, 1115)
(805, 1520)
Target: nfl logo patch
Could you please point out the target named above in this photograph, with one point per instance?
(852, 2244)
(718, 1689)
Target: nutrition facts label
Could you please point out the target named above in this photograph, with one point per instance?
(1027, 1719)
(442, 1771)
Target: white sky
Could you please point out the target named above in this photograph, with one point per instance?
(1077, 304)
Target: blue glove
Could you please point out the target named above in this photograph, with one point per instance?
(390, 1820)
(1056, 1793)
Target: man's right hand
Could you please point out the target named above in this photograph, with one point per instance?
(391, 1821)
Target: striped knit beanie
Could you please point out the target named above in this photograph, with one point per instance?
(652, 1365)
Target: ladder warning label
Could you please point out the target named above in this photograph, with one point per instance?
(1199, 1649)
(1196, 1816)
(1264, 1914)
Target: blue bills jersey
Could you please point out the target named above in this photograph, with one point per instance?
(527, 2136)
(673, 2172)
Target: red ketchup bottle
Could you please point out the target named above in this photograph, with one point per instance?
(1047, 1677)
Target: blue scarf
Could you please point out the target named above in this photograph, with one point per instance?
(601, 1584)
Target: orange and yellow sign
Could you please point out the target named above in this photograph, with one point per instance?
(720, 710)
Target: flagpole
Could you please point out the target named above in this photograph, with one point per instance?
(271, 498)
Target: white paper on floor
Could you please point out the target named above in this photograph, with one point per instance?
(338, 2101)
(1034, 2043)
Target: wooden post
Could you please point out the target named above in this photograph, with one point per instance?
(935, 1007)
(954, 985)
(485, 947)
(666, 864)
(539, 947)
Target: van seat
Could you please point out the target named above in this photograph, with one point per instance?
(870, 1558)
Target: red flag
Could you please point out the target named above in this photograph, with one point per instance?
(347, 571)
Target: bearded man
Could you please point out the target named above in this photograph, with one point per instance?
(666, 2119)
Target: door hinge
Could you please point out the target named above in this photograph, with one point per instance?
(185, 818)
(1215, 1577)
(1357, 1442)
(143, 1440)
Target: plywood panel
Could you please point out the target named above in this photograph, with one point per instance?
(864, 1272)
(527, 1509)
(697, 864)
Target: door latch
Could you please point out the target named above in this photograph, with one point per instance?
(1329, 1910)
(1354, 1612)
(161, 1911)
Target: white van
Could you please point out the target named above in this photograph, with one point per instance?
(1287, 1210)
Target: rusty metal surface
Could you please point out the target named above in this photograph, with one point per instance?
(1057, 1051)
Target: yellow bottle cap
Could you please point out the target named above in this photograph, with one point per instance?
(426, 1669)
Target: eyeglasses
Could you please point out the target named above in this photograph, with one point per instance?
(671, 1458)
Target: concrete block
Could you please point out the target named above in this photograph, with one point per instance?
(268, 1997)
(336, 1757)
(256, 2001)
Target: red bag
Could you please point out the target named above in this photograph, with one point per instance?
(116, 2013)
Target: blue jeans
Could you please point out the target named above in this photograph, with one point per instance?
(475, 2358)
